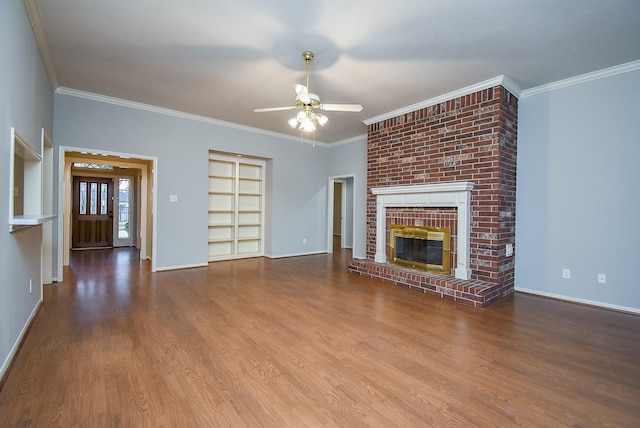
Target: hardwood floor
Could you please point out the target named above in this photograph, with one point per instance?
(300, 342)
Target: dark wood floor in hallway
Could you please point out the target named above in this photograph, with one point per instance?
(300, 342)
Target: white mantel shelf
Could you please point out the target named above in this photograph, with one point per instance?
(462, 186)
(455, 194)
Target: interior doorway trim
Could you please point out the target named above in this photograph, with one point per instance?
(330, 206)
(126, 159)
(343, 208)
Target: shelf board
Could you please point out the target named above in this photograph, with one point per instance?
(31, 220)
(249, 238)
(23, 221)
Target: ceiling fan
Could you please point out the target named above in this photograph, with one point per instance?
(307, 119)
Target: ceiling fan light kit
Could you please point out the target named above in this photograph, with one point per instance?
(307, 120)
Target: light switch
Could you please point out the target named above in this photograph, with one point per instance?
(173, 198)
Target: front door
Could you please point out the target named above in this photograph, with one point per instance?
(92, 212)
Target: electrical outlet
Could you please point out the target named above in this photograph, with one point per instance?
(304, 240)
(566, 273)
(602, 278)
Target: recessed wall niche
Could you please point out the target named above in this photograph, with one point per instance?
(25, 204)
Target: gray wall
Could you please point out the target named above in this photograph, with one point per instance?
(351, 160)
(578, 192)
(349, 224)
(297, 173)
(26, 103)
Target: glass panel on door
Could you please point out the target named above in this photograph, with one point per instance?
(124, 205)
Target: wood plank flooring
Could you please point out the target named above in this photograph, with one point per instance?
(300, 342)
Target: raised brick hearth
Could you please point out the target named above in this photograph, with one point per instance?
(471, 292)
(468, 139)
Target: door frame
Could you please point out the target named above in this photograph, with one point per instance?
(330, 206)
(147, 232)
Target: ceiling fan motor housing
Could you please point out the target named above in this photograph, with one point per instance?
(315, 101)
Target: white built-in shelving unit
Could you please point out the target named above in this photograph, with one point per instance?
(236, 207)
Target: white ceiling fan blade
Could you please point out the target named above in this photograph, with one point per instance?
(266, 109)
(303, 93)
(341, 107)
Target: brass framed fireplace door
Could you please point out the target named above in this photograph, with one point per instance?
(422, 235)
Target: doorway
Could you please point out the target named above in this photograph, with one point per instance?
(140, 229)
(340, 215)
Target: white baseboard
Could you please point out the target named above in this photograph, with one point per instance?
(7, 362)
(282, 256)
(177, 267)
(581, 301)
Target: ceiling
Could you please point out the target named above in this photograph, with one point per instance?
(223, 58)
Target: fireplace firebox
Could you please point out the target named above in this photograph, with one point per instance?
(419, 247)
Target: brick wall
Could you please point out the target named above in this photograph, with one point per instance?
(470, 138)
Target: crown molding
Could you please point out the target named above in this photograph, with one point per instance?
(33, 12)
(503, 81)
(583, 78)
(175, 113)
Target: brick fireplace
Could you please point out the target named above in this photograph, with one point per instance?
(452, 162)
